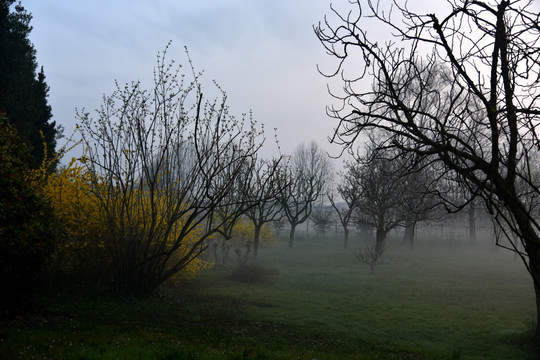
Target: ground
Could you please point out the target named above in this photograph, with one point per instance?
(314, 301)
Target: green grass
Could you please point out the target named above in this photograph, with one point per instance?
(317, 302)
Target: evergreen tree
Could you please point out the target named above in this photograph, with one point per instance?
(23, 91)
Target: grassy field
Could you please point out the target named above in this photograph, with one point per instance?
(317, 302)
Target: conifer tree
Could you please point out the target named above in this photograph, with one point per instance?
(23, 91)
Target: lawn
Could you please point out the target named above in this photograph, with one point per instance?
(314, 301)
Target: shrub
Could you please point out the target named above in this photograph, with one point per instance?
(85, 247)
(80, 249)
(369, 255)
(27, 227)
(166, 161)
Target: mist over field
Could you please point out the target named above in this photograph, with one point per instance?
(446, 298)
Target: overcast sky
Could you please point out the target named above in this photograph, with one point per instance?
(263, 53)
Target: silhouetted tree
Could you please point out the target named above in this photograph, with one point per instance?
(309, 173)
(322, 217)
(481, 125)
(350, 191)
(263, 194)
(420, 189)
(381, 203)
(23, 90)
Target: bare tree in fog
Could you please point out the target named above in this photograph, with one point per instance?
(381, 204)
(350, 192)
(263, 192)
(421, 186)
(322, 216)
(236, 199)
(369, 255)
(309, 173)
(483, 128)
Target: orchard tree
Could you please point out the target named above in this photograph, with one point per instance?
(309, 173)
(23, 90)
(165, 162)
(381, 204)
(482, 123)
(421, 186)
(350, 191)
(236, 200)
(322, 216)
(263, 195)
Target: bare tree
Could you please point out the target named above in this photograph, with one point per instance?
(421, 184)
(349, 190)
(165, 162)
(237, 200)
(268, 181)
(482, 122)
(309, 173)
(322, 217)
(369, 255)
(381, 203)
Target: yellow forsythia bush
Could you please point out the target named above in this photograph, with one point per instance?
(143, 204)
(77, 212)
(198, 264)
(84, 245)
(77, 208)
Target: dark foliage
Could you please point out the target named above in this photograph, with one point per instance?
(23, 90)
(26, 223)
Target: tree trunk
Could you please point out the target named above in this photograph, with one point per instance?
(379, 244)
(408, 236)
(531, 242)
(533, 252)
(256, 240)
(472, 222)
(536, 277)
(345, 238)
(291, 235)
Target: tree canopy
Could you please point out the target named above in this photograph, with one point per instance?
(23, 90)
